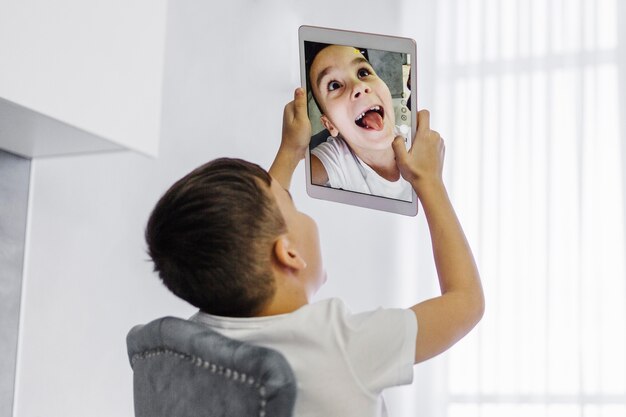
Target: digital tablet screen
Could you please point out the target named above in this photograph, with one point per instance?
(361, 89)
(358, 102)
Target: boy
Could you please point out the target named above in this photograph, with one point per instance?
(228, 239)
(357, 111)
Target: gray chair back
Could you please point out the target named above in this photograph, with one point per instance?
(184, 369)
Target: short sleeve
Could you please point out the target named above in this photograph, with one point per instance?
(379, 346)
(329, 156)
(342, 166)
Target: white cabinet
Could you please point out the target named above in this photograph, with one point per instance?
(80, 76)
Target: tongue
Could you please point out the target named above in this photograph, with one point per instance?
(373, 120)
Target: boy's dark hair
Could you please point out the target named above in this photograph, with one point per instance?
(311, 49)
(211, 236)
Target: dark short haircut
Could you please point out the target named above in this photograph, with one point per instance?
(211, 237)
(311, 50)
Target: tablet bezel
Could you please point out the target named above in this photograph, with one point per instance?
(368, 41)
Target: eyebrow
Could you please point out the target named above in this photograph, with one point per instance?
(326, 70)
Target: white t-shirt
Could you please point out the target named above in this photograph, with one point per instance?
(347, 171)
(341, 361)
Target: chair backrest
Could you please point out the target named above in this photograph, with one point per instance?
(184, 369)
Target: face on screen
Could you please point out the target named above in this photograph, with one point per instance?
(357, 106)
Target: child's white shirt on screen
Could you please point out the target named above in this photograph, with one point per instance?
(347, 171)
(341, 361)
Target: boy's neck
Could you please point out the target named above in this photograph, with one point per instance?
(285, 301)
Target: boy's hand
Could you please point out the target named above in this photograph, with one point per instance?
(296, 126)
(445, 319)
(422, 165)
(295, 139)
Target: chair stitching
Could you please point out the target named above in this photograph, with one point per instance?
(212, 367)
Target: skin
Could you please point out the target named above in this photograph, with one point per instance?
(297, 263)
(345, 85)
(296, 257)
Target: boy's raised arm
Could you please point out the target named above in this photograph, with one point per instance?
(295, 139)
(442, 320)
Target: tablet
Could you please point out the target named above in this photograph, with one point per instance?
(361, 94)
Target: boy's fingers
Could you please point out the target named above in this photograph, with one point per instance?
(288, 112)
(300, 102)
(399, 149)
(423, 120)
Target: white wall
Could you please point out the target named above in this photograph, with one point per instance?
(87, 278)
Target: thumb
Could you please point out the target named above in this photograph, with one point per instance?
(399, 149)
(300, 103)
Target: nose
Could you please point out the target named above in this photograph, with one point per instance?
(360, 88)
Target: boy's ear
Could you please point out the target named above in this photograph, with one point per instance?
(329, 125)
(286, 255)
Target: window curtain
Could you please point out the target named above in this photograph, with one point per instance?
(529, 96)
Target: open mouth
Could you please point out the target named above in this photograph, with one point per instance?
(371, 118)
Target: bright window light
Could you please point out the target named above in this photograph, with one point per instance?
(530, 89)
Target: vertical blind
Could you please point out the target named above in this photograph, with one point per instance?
(528, 92)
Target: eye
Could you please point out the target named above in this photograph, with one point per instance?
(363, 72)
(333, 85)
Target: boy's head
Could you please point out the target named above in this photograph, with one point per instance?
(355, 103)
(214, 235)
